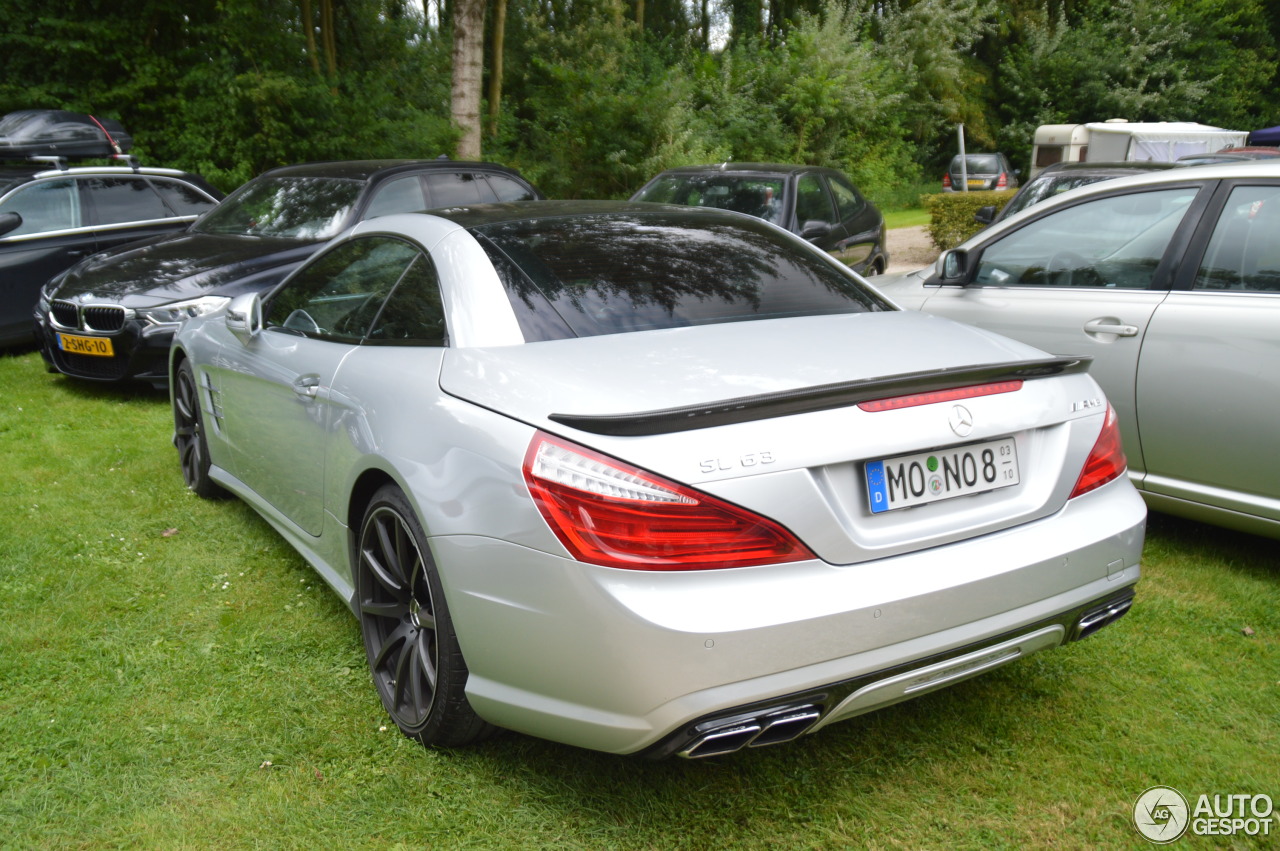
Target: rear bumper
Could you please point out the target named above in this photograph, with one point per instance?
(784, 719)
(627, 661)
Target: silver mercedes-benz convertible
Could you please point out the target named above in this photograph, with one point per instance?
(654, 480)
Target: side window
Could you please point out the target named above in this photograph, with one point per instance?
(402, 195)
(450, 189)
(1244, 251)
(812, 203)
(45, 206)
(414, 314)
(506, 189)
(117, 200)
(848, 201)
(338, 295)
(1116, 241)
(182, 198)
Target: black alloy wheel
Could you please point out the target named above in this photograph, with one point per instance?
(188, 435)
(413, 652)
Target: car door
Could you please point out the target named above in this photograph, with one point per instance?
(1081, 280)
(816, 218)
(51, 238)
(1209, 378)
(859, 224)
(278, 407)
(126, 208)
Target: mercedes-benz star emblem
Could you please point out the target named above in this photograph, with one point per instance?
(961, 420)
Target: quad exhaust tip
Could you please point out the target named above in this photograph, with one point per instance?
(768, 728)
(1108, 613)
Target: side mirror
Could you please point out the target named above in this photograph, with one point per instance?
(244, 316)
(954, 266)
(814, 230)
(985, 215)
(9, 222)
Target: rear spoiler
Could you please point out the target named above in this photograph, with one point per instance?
(824, 397)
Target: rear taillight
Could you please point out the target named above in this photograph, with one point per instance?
(1002, 182)
(610, 513)
(946, 180)
(1106, 461)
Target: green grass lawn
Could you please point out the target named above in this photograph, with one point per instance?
(906, 218)
(173, 676)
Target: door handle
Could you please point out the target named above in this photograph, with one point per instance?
(1110, 326)
(306, 385)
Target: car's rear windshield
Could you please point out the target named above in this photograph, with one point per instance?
(977, 164)
(755, 195)
(610, 274)
(303, 208)
(1044, 189)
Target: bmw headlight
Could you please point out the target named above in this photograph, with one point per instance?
(177, 312)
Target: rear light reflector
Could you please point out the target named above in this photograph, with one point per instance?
(1002, 182)
(954, 394)
(609, 513)
(1106, 462)
(946, 180)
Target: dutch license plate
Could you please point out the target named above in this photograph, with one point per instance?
(975, 182)
(925, 477)
(96, 346)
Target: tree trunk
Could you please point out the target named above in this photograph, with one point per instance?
(330, 40)
(495, 65)
(309, 26)
(468, 66)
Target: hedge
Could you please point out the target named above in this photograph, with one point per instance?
(951, 214)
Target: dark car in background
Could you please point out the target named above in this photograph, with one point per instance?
(112, 316)
(979, 173)
(52, 215)
(1063, 177)
(820, 204)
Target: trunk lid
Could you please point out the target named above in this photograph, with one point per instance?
(763, 414)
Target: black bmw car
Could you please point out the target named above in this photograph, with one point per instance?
(111, 316)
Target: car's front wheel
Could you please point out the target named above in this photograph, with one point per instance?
(413, 651)
(188, 435)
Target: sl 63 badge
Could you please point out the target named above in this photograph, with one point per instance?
(751, 459)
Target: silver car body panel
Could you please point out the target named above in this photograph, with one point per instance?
(1194, 374)
(617, 660)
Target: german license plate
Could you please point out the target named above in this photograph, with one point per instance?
(96, 346)
(926, 477)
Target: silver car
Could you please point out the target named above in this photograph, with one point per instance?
(1170, 281)
(654, 479)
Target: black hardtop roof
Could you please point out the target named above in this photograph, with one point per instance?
(479, 215)
(750, 168)
(365, 169)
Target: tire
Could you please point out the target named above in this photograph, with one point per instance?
(188, 435)
(409, 640)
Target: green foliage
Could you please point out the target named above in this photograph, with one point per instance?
(227, 89)
(1202, 60)
(951, 214)
(598, 110)
(827, 95)
(593, 104)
